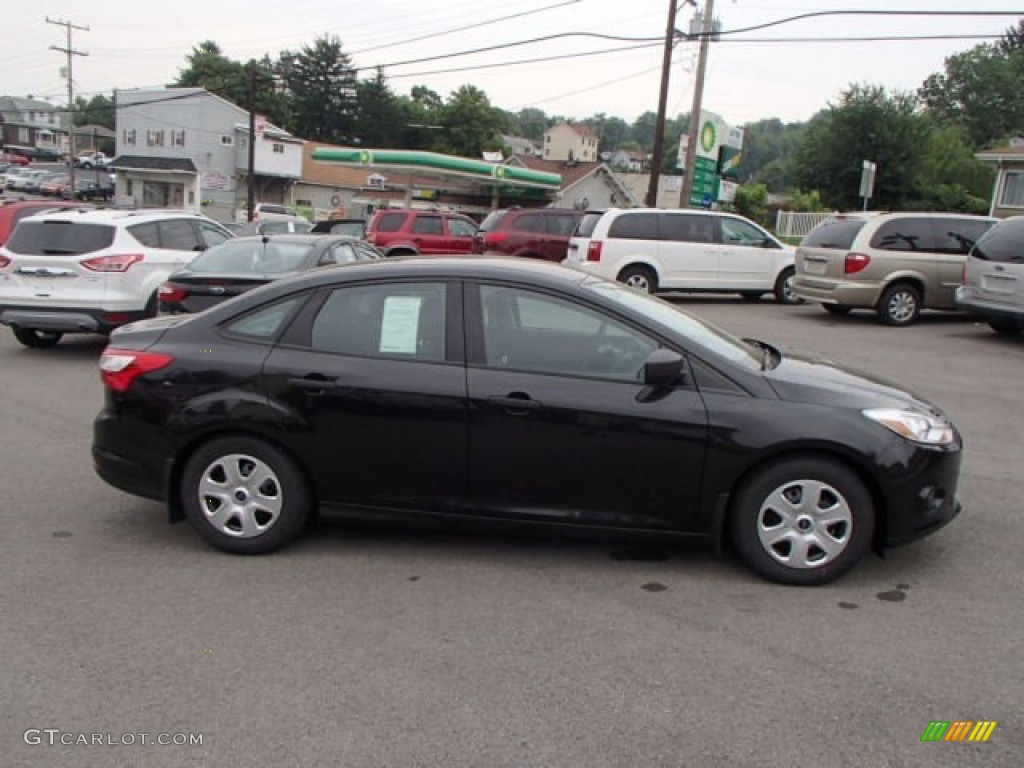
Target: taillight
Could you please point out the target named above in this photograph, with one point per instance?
(4, 262)
(594, 250)
(494, 239)
(168, 294)
(120, 367)
(855, 262)
(119, 263)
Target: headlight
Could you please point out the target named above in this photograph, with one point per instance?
(914, 425)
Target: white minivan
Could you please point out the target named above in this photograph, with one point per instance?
(683, 250)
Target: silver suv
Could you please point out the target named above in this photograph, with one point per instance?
(994, 278)
(894, 263)
(89, 271)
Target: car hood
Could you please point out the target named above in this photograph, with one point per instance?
(807, 378)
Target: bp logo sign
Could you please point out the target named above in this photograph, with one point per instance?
(365, 157)
(708, 137)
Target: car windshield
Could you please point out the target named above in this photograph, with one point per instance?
(255, 256)
(681, 322)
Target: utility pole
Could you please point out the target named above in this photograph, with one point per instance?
(698, 97)
(659, 126)
(71, 53)
(251, 189)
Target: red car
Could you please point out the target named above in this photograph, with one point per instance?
(14, 211)
(15, 159)
(535, 233)
(405, 233)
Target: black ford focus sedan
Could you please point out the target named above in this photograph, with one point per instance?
(513, 391)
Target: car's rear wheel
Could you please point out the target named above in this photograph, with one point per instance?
(1004, 327)
(900, 305)
(784, 288)
(839, 310)
(30, 337)
(244, 495)
(802, 521)
(640, 277)
(401, 252)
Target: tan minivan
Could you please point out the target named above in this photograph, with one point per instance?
(894, 263)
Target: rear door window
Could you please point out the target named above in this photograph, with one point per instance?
(838, 234)
(687, 228)
(58, 238)
(906, 234)
(428, 225)
(635, 226)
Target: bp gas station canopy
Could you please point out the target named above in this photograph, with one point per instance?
(461, 182)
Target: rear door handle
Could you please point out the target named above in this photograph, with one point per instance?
(314, 383)
(516, 403)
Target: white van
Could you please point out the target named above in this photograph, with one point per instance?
(683, 250)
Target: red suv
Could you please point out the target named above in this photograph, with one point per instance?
(537, 233)
(404, 232)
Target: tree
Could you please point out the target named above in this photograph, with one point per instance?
(321, 85)
(980, 90)
(379, 119)
(868, 124)
(1012, 39)
(471, 124)
(952, 179)
(99, 110)
(420, 118)
(769, 147)
(209, 68)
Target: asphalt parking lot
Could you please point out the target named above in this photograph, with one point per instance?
(380, 646)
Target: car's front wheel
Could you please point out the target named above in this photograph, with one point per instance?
(802, 521)
(244, 495)
(640, 277)
(30, 337)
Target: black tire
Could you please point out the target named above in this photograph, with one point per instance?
(1004, 327)
(783, 551)
(837, 310)
(751, 295)
(399, 252)
(900, 305)
(30, 337)
(254, 529)
(784, 288)
(640, 277)
(86, 166)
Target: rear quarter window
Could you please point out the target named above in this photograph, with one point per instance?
(585, 227)
(53, 238)
(838, 234)
(959, 235)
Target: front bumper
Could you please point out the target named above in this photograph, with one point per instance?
(924, 499)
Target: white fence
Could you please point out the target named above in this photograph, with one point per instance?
(796, 224)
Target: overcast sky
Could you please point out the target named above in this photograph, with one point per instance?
(136, 44)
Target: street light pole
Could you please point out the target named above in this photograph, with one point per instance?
(698, 97)
(251, 189)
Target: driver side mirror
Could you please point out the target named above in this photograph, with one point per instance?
(663, 368)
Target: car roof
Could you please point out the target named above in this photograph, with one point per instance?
(117, 216)
(307, 238)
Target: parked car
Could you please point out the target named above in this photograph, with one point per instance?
(53, 185)
(26, 181)
(89, 190)
(348, 227)
(268, 212)
(893, 263)
(17, 155)
(14, 173)
(994, 277)
(92, 160)
(404, 232)
(683, 250)
(243, 263)
(13, 211)
(514, 391)
(47, 155)
(535, 233)
(89, 271)
(275, 226)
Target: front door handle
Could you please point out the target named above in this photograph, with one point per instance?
(515, 403)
